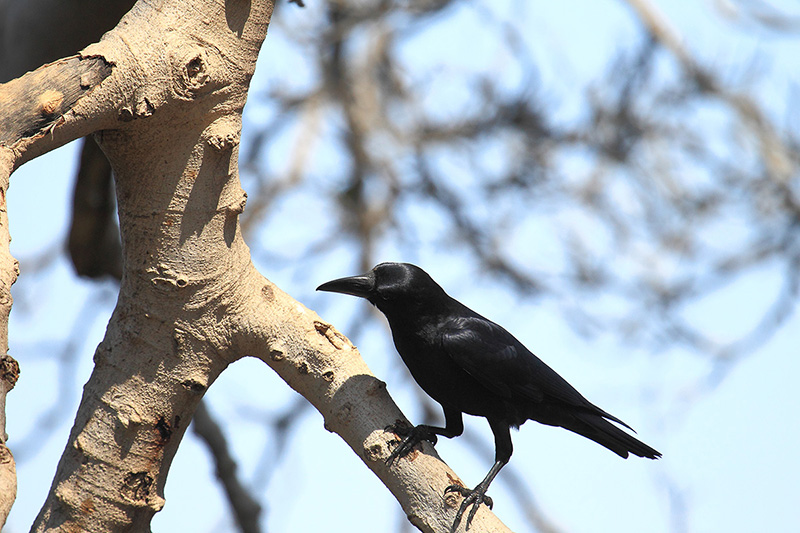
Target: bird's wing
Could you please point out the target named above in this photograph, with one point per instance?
(502, 364)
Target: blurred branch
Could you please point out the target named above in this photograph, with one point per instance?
(761, 14)
(654, 186)
(246, 510)
(633, 194)
(66, 386)
(774, 152)
(94, 244)
(280, 426)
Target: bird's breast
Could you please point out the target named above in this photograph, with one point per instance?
(439, 375)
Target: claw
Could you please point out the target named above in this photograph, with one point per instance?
(474, 498)
(412, 435)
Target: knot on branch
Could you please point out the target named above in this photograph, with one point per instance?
(224, 133)
(224, 141)
(336, 339)
(50, 102)
(236, 207)
(136, 486)
(142, 106)
(6, 457)
(166, 279)
(137, 489)
(193, 72)
(9, 370)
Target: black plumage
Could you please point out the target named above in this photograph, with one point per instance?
(471, 365)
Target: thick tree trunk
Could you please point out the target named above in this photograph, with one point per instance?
(164, 92)
(9, 369)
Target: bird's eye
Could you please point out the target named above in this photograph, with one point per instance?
(386, 296)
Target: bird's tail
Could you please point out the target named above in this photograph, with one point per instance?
(595, 427)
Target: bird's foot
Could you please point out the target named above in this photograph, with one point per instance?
(474, 497)
(412, 435)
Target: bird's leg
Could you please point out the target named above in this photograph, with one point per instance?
(474, 497)
(413, 435)
(477, 496)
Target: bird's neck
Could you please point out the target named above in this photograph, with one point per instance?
(420, 313)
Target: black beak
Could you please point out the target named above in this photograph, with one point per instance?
(362, 286)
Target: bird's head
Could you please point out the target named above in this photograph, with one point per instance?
(389, 286)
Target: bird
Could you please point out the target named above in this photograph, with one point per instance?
(469, 364)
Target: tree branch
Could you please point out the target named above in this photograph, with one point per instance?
(9, 368)
(245, 509)
(190, 300)
(9, 373)
(93, 243)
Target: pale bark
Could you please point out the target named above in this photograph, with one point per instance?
(163, 92)
(9, 372)
(9, 369)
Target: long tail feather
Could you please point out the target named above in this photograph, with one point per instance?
(603, 432)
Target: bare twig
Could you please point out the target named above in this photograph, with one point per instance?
(246, 510)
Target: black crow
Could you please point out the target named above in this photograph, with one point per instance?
(471, 365)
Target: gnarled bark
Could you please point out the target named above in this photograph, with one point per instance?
(164, 96)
